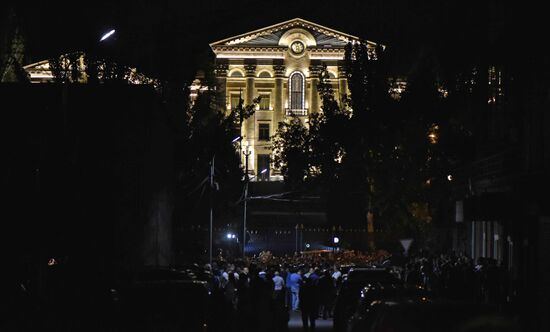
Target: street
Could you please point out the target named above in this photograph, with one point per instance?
(295, 323)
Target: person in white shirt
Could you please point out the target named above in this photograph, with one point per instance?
(336, 274)
(278, 288)
(278, 281)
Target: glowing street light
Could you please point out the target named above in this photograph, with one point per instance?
(263, 171)
(336, 240)
(107, 35)
(236, 139)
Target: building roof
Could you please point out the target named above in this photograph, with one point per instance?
(270, 36)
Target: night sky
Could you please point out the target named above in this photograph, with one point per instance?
(170, 38)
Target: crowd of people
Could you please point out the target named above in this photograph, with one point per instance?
(260, 293)
(259, 297)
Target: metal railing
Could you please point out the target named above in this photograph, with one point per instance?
(298, 112)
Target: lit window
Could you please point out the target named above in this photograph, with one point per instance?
(297, 91)
(236, 73)
(263, 132)
(235, 99)
(263, 167)
(433, 134)
(264, 102)
(264, 74)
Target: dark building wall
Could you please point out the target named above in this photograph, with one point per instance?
(86, 177)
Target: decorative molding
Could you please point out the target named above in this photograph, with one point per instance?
(314, 71)
(221, 69)
(279, 70)
(250, 70)
(342, 74)
(294, 23)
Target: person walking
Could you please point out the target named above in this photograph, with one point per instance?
(326, 292)
(278, 287)
(294, 286)
(308, 304)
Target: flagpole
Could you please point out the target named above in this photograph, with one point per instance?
(211, 208)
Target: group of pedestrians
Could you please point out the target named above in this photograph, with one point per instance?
(260, 298)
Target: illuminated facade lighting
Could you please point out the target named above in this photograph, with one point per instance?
(433, 134)
(281, 61)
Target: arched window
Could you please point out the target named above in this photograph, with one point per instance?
(264, 74)
(236, 73)
(296, 90)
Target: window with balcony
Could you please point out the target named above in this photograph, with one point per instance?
(296, 94)
(264, 102)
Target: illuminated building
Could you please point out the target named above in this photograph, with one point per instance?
(281, 64)
(73, 67)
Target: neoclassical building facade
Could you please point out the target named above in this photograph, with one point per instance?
(280, 64)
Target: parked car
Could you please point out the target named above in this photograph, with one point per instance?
(371, 297)
(164, 300)
(349, 292)
(425, 315)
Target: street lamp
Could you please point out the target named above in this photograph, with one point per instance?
(335, 242)
(246, 153)
(107, 35)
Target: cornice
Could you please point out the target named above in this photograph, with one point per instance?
(297, 22)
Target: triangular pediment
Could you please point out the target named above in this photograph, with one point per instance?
(270, 36)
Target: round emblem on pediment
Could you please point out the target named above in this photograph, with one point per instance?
(297, 47)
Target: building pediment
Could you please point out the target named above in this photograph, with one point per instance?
(274, 36)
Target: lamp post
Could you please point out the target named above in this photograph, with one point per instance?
(210, 199)
(246, 153)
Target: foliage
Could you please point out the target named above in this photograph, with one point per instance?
(311, 150)
(78, 67)
(207, 135)
(291, 150)
(374, 153)
(66, 68)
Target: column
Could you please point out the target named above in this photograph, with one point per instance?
(342, 81)
(314, 71)
(249, 125)
(250, 70)
(278, 105)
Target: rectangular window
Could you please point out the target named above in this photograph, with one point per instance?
(235, 98)
(263, 167)
(263, 132)
(264, 102)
